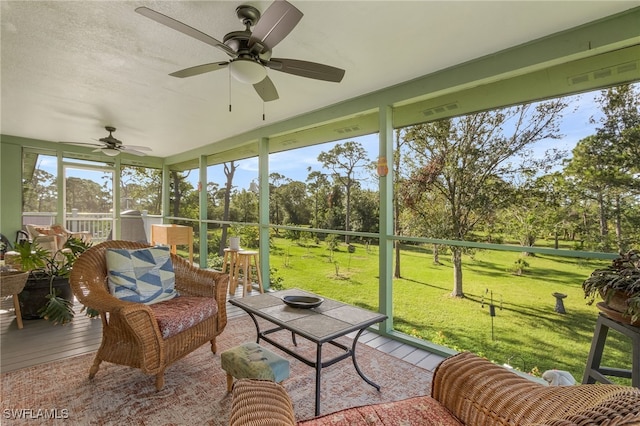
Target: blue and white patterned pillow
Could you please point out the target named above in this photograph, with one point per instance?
(143, 275)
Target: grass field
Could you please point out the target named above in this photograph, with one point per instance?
(525, 332)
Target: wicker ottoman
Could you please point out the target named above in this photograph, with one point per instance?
(252, 361)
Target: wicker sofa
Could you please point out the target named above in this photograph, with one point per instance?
(466, 390)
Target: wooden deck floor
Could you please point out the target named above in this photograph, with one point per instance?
(41, 342)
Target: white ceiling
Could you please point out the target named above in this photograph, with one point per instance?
(71, 67)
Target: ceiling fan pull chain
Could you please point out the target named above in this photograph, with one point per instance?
(263, 114)
(229, 73)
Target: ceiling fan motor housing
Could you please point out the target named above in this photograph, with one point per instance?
(110, 140)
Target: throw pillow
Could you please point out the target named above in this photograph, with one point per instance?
(142, 275)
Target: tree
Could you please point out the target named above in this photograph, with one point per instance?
(468, 161)
(276, 213)
(181, 202)
(40, 192)
(620, 132)
(397, 205)
(246, 203)
(366, 210)
(141, 188)
(213, 196)
(595, 176)
(229, 172)
(345, 160)
(430, 220)
(294, 202)
(560, 209)
(87, 195)
(524, 217)
(605, 166)
(318, 186)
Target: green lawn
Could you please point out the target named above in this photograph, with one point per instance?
(527, 333)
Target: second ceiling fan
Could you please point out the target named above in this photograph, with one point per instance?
(250, 51)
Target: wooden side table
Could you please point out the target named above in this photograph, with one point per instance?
(173, 235)
(596, 372)
(244, 261)
(229, 262)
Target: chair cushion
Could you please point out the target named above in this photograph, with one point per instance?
(183, 312)
(61, 235)
(143, 275)
(44, 230)
(420, 410)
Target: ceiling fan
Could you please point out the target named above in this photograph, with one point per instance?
(111, 146)
(250, 51)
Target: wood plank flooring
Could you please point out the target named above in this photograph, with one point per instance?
(41, 342)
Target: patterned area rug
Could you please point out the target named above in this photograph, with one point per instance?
(195, 387)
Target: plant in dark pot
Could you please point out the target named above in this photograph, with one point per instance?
(619, 287)
(47, 293)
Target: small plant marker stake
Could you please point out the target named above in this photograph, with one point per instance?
(492, 309)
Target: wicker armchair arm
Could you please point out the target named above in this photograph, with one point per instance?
(103, 301)
(137, 316)
(195, 281)
(261, 403)
(91, 289)
(140, 321)
(477, 391)
(46, 238)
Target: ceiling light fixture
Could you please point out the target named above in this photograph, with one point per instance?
(247, 71)
(110, 152)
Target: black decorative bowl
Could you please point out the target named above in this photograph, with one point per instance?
(303, 302)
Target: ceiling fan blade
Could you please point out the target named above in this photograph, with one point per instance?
(130, 150)
(306, 69)
(266, 90)
(199, 69)
(274, 24)
(136, 147)
(110, 140)
(82, 144)
(185, 29)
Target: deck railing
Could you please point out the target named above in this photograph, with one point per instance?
(100, 225)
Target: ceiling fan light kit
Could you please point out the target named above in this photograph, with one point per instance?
(247, 71)
(250, 51)
(110, 151)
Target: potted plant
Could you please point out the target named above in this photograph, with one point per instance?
(234, 237)
(47, 293)
(619, 287)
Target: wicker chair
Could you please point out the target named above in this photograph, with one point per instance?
(130, 332)
(85, 236)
